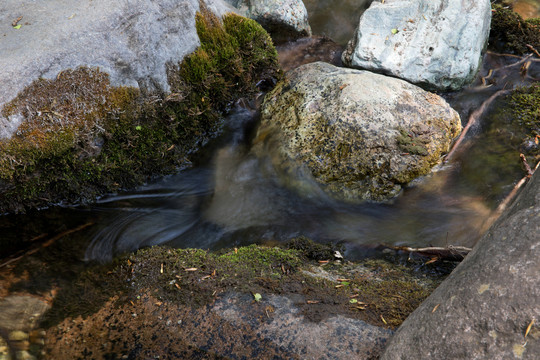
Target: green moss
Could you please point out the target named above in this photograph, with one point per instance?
(82, 137)
(511, 34)
(313, 250)
(412, 144)
(525, 104)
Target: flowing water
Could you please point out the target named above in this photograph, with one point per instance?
(232, 198)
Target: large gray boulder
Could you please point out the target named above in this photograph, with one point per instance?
(358, 135)
(284, 19)
(132, 41)
(484, 308)
(433, 43)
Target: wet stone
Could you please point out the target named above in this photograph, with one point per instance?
(18, 336)
(4, 350)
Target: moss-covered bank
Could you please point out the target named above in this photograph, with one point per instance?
(376, 291)
(82, 137)
(511, 34)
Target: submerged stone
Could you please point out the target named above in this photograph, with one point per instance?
(359, 135)
(433, 43)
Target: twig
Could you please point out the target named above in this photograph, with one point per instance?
(472, 120)
(526, 165)
(533, 50)
(455, 253)
(46, 244)
(508, 199)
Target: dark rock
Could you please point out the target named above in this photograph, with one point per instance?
(484, 308)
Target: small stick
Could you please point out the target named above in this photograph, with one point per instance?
(46, 244)
(526, 164)
(16, 21)
(504, 204)
(533, 50)
(472, 120)
(449, 252)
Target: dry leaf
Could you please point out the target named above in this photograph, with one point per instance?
(14, 23)
(313, 301)
(435, 308)
(178, 286)
(191, 269)
(529, 328)
(383, 320)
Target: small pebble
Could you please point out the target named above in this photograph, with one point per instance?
(21, 345)
(24, 355)
(18, 336)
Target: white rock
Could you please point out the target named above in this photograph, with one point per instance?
(433, 43)
(130, 40)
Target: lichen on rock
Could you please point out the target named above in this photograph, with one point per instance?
(356, 134)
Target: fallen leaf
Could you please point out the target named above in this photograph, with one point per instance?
(17, 27)
(178, 286)
(14, 23)
(313, 301)
(138, 127)
(206, 277)
(158, 303)
(395, 31)
(340, 279)
(433, 259)
(529, 328)
(323, 262)
(353, 301)
(435, 308)
(257, 297)
(171, 147)
(191, 269)
(383, 320)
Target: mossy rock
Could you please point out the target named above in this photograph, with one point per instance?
(81, 137)
(196, 278)
(511, 34)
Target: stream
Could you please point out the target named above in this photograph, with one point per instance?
(230, 198)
